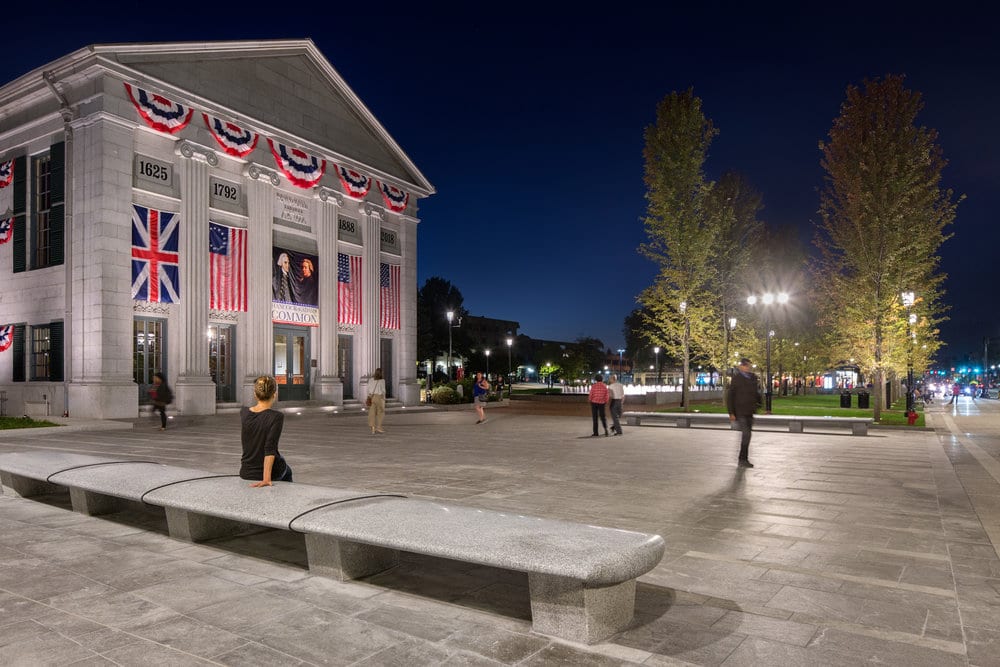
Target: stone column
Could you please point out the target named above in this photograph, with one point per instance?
(194, 390)
(329, 388)
(368, 340)
(258, 343)
(100, 383)
(406, 351)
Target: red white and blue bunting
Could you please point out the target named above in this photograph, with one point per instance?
(394, 198)
(6, 230)
(6, 173)
(6, 337)
(235, 140)
(302, 169)
(355, 184)
(159, 112)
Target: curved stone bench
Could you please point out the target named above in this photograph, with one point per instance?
(795, 423)
(581, 578)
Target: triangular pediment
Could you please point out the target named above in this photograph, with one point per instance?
(286, 85)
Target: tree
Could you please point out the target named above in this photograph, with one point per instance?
(680, 226)
(434, 300)
(883, 218)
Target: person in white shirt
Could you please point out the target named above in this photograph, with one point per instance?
(616, 395)
(376, 398)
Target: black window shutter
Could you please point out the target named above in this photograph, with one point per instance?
(57, 185)
(20, 217)
(18, 350)
(56, 351)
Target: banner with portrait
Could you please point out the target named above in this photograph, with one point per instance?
(294, 287)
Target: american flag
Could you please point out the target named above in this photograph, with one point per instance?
(348, 288)
(389, 296)
(155, 237)
(227, 253)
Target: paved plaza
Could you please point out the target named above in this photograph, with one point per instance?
(833, 550)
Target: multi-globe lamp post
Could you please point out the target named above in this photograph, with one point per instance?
(768, 299)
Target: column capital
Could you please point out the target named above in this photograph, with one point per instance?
(329, 195)
(189, 149)
(370, 209)
(253, 171)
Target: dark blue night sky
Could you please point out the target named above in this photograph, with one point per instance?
(530, 125)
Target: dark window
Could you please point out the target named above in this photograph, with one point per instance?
(41, 352)
(42, 209)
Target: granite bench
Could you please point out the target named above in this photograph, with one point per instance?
(581, 578)
(795, 423)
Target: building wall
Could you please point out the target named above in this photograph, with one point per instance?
(91, 291)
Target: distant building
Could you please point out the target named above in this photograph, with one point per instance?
(488, 332)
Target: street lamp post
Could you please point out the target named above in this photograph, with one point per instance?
(725, 354)
(487, 365)
(450, 315)
(656, 351)
(908, 299)
(768, 300)
(686, 365)
(621, 368)
(510, 375)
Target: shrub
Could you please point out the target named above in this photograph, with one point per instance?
(444, 395)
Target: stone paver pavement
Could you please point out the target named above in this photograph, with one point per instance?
(834, 550)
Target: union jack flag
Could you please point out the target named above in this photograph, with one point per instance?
(6, 230)
(348, 288)
(6, 337)
(389, 296)
(227, 255)
(155, 240)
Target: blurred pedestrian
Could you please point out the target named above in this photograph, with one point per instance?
(480, 394)
(598, 399)
(162, 396)
(616, 394)
(376, 401)
(742, 401)
(260, 431)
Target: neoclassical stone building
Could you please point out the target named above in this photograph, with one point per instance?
(213, 211)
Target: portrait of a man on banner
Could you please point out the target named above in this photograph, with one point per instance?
(295, 277)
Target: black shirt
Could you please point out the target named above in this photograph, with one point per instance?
(260, 433)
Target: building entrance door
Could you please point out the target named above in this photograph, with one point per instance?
(345, 364)
(220, 361)
(148, 346)
(386, 353)
(291, 363)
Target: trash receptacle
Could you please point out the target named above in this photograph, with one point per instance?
(845, 399)
(863, 399)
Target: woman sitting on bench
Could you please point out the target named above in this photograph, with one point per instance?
(260, 432)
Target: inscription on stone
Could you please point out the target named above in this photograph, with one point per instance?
(225, 195)
(152, 174)
(291, 209)
(389, 241)
(349, 230)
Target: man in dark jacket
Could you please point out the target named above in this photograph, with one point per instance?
(742, 401)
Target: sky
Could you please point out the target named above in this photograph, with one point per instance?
(528, 120)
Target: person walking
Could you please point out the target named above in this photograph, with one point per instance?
(260, 430)
(480, 394)
(598, 399)
(956, 389)
(616, 394)
(742, 401)
(162, 396)
(376, 401)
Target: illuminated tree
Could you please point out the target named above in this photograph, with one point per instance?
(883, 218)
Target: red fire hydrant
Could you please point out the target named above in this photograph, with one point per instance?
(911, 417)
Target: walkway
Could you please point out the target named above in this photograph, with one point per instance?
(834, 550)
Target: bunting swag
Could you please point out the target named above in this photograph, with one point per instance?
(159, 112)
(6, 337)
(6, 230)
(355, 184)
(234, 139)
(394, 198)
(302, 169)
(6, 173)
